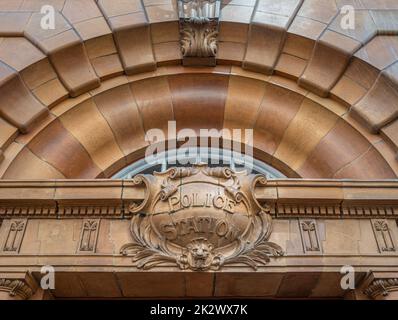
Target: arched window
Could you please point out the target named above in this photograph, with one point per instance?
(189, 156)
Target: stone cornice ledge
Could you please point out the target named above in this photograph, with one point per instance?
(113, 198)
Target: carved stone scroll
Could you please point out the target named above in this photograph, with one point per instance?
(201, 219)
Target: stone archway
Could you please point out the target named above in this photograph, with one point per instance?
(76, 102)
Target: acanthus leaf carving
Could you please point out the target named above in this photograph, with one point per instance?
(199, 21)
(16, 287)
(381, 287)
(199, 39)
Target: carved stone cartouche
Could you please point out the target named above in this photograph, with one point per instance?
(201, 219)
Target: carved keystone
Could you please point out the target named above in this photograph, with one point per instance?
(199, 31)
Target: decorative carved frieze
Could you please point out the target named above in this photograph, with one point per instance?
(334, 210)
(201, 219)
(16, 288)
(114, 199)
(27, 210)
(384, 238)
(90, 210)
(15, 235)
(307, 210)
(365, 211)
(310, 236)
(381, 287)
(89, 235)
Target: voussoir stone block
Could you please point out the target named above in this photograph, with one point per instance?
(132, 34)
(19, 53)
(364, 168)
(161, 11)
(365, 28)
(326, 159)
(75, 70)
(7, 133)
(17, 105)
(154, 102)
(267, 34)
(166, 41)
(380, 52)
(391, 132)
(391, 73)
(80, 10)
(322, 72)
(35, 5)
(237, 12)
(386, 20)
(12, 24)
(301, 37)
(263, 48)
(193, 93)
(121, 112)
(66, 52)
(58, 147)
(243, 102)
(278, 108)
(318, 10)
(96, 136)
(362, 74)
(309, 126)
(27, 165)
(233, 31)
(379, 106)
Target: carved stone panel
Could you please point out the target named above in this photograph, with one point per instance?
(201, 219)
(15, 236)
(310, 236)
(89, 235)
(384, 238)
